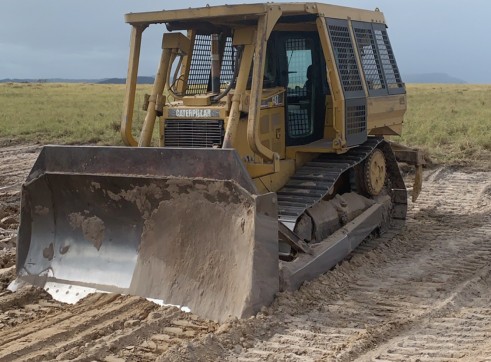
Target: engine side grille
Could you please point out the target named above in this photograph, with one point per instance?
(193, 133)
(355, 119)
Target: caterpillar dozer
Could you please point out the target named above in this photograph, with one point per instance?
(261, 163)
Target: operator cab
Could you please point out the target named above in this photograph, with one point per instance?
(302, 72)
(294, 61)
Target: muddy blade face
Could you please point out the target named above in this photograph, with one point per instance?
(193, 233)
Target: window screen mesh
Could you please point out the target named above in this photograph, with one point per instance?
(370, 59)
(228, 66)
(200, 69)
(299, 57)
(299, 124)
(355, 119)
(388, 60)
(345, 58)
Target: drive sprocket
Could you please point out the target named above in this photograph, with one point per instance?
(374, 173)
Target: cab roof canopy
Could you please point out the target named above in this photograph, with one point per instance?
(231, 16)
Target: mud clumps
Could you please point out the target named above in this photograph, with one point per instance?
(9, 222)
(41, 210)
(7, 258)
(203, 255)
(49, 252)
(8, 230)
(180, 257)
(141, 196)
(7, 275)
(92, 228)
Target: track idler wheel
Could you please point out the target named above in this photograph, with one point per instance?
(373, 173)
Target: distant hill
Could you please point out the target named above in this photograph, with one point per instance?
(432, 78)
(50, 80)
(408, 78)
(141, 80)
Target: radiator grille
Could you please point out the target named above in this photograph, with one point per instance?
(193, 134)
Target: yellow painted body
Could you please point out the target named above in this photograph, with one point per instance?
(254, 116)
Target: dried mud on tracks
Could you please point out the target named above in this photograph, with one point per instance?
(422, 295)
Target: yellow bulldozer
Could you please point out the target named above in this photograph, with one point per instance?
(261, 163)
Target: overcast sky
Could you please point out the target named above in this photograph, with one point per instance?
(89, 38)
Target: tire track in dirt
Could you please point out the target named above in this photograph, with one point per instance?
(390, 287)
(98, 327)
(21, 298)
(462, 331)
(147, 339)
(59, 315)
(422, 295)
(74, 328)
(16, 161)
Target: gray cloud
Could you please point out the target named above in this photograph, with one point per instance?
(89, 39)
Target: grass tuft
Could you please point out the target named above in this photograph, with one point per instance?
(451, 122)
(65, 113)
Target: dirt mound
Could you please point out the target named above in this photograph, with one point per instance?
(396, 298)
(16, 162)
(422, 295)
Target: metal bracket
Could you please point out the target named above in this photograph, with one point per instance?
(411, 156)
(293, 240)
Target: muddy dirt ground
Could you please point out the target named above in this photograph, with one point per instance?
(422, 295)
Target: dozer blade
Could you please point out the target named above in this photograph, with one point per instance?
(183, 226)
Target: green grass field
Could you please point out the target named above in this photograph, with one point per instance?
(451, 122)
(65, 113)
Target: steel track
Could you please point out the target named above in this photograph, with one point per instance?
(316, 179)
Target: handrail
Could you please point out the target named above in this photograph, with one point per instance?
(131, 79)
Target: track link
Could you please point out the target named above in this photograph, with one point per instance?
(316, 179)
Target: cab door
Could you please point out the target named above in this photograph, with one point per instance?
(302, 73)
